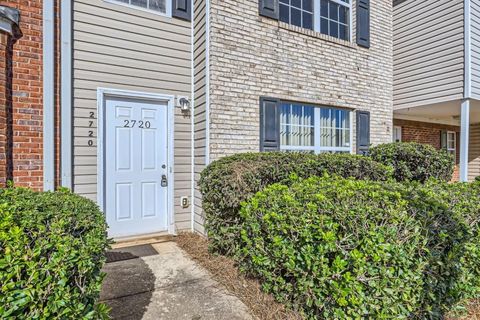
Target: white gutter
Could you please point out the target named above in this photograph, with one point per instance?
(468, 49)
(207, 83)
(192, 110)
(48, 96)
(66, 94)
(465, 107)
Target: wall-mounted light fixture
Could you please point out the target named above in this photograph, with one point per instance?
(184, 104)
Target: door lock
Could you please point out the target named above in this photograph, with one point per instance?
(164, 180)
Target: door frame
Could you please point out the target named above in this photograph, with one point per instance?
(102, 95)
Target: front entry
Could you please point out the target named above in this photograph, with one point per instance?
(136, 167)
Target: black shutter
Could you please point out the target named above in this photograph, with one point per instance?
(443, 140)
(363, 23)
(269, 124)
(363, 132)
(269, 8)
(182, 9)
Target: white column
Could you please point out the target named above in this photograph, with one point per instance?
(48, 95)
(464, 140)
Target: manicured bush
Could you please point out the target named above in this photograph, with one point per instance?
(415, 161)
(52, 247)
(335, 248)
(449, 215)
(226, 183)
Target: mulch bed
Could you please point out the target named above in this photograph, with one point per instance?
(223, 269)
(262, 305)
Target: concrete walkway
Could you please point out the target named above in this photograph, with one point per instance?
(160, 282)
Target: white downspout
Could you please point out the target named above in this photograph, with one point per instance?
(48, 96)
(465, 108)
(192, 113)
(207, 83)
(66, 94)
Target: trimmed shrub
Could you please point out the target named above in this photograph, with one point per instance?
(449, 216)
(335, 248)
(226, 183)
(415, 161)
(52, 248)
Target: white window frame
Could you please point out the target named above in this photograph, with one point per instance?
(168, 7)
(317, 18)
(397, 129)
(317, 148)
(301, 10)
(454, 149)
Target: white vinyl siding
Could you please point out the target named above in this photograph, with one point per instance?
(428, 52)
(475, 48)
(474, 152)
(119, 47)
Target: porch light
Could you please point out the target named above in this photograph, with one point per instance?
(184, 104)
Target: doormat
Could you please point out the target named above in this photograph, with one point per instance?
(129, 253)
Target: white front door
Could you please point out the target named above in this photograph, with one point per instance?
(136, 167)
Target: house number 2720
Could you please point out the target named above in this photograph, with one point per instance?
(136, 123)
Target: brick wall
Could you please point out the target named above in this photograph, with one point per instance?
(26, 59)
(253, 56)
(4, 92)
(428, 133)
(25, 117)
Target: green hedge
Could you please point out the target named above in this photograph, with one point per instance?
(52, 248)
(335, 249)
(449, 215)
(415, 161)
(226, 183)
(343, 249)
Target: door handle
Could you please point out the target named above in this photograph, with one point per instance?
(164, 181)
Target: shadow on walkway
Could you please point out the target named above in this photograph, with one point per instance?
(129, 284)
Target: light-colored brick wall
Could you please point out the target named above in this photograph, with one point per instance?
(253, 56)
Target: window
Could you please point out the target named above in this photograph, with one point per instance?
(297, 12)
(158, 6)
(397, 134)
(452, 143)
(330, 17)
(335, 18)
(313, 129)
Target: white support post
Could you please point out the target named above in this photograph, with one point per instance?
(464, 140)
(66, 94)
(48, 95)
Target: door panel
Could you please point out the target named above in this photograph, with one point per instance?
(136, 158)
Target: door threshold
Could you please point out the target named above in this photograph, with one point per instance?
(152, 238)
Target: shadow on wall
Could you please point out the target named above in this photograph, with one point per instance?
(129, 284)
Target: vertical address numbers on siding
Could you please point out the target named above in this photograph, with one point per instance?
(91, 122)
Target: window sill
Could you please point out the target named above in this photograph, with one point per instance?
(315, 34)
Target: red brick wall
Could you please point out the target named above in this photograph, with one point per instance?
(4, 39)
(428, 133)
(26, 101)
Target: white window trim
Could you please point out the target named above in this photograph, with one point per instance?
(168, 7)
(317, 148)
(399, 128)
(316, 17)
(454, 149)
